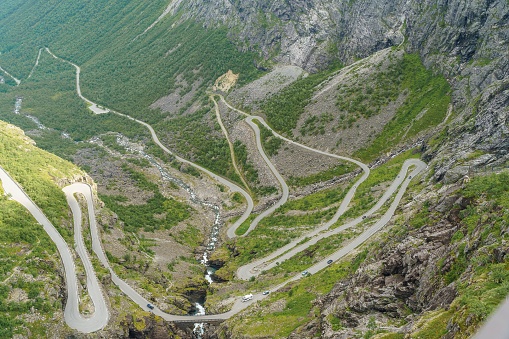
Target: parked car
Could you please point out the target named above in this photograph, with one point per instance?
(305, 273)
(329, 261)
(150, 306)
(265, 292)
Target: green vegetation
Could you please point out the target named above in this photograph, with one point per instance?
(158, 212)
(368, 98)
(331, 173)
(270, 142)
(316, 124)
(434, 325)
(50, 96)
(10, 310)
(427, 99)
(120, 66)
(275, 231)
(245, 225)
(201, 66)
(391, 336)
(278, 229)
(36, 171)
(284, 109)
(110, 140)
(195, 136)
(490, 281)
(190, 236)
(315, 201)
(297, 309)
(480, 276)
(140, 179)
(248, 169)
(265, 190)
(364, 197)
(23, 242)
(121, 69)
(335, 322)
(310, 255)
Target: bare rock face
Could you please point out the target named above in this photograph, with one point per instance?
(465, 41)
(404, 276)
(306, 33)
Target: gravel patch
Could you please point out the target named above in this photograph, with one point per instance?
(252, 94)
(323, 106)
(176, 100)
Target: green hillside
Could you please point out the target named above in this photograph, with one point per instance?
(30, 273)
(382, 92)
(121, 69)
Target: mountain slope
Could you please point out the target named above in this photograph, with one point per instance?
(382, 80)
(31, 275)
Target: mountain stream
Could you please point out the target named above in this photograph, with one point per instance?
(214, 234)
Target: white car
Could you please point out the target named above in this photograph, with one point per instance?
(247, 297)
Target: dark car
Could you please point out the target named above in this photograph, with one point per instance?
(150, 306)
(329, 261)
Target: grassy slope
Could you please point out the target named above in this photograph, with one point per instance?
(427, 97)
(23, 240)
(125, 72)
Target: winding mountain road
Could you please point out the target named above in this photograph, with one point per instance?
(349, 195)
(92, 105)
(72, 315)
(282, 183)
(16, 80)
(255, 268)
(230, 145)
(101, 316)
(233, 187)
(300, 244)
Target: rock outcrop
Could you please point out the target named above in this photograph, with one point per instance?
(466, 42)
(414, 270)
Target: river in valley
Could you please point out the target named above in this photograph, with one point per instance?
(214, 233)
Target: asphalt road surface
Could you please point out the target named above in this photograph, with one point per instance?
(101, 316)
(72, 315)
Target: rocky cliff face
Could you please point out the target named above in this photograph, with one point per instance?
(465, 41)
(435, 268)
(468, 43)
(402, 278)
(309, 34)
